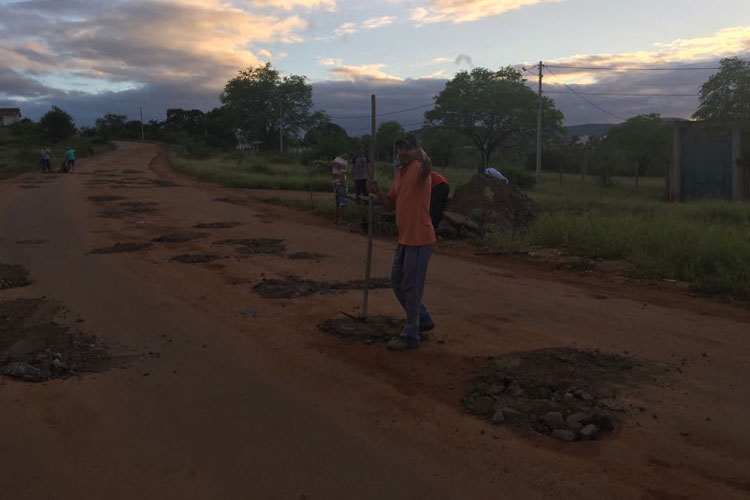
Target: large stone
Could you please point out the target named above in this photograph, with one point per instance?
(498, 418)
(553, 419)
(588, 433)
(574, 421)
(25, 371)
(460, 220)
(563, 435)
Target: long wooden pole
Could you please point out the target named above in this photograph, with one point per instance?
(370, 177)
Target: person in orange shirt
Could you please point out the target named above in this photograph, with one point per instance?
(409, 196)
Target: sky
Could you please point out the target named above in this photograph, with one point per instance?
(91, 58)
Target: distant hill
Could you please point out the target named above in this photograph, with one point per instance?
(589, 129)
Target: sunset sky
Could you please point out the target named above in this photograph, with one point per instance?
(93, 57)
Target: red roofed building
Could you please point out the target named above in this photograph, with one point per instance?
(9, 116)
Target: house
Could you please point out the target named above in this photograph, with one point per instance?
(9, 116)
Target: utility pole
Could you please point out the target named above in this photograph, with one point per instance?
(143, 136)
(539, 127)
(370, 177)
(281, 132)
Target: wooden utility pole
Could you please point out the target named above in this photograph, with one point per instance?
(143, 136)
(370, 177)
(539, 127)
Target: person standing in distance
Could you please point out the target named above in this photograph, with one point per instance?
(409, 196)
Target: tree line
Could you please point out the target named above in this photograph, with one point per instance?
(482, 117)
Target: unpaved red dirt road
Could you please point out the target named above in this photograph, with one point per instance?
(243, 397)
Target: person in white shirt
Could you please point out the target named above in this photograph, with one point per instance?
(340, 189)
(491, 172)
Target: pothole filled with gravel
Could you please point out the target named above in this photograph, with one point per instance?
(179, 237)
(373, 330)
(13, 276)
(216, 225)
(121, 248)
(292, 287)
(565, 393)
(198, 258)
(35, 348)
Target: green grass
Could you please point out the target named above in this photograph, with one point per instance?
(21, 154)
(706, 243)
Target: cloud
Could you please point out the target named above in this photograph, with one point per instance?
(461, 11)
(377, 22)
(148, 42)
(362, 72)
(345, 29)
(329, 5)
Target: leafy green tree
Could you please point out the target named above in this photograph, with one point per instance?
(57, 124)
(495, 109)
(260, 102)
(110, 125)
(726, 95)
(387, 134)
(644, 140)
(442, 143)
(325, 138)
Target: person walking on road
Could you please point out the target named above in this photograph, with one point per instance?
(45, 160)
(70, 158)
(409, 196)
(340, 188)
(361, 171)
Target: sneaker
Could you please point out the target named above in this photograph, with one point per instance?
(427, 327)
(402, 344)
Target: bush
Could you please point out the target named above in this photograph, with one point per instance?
(520, 177)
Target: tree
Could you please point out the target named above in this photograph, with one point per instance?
(441, 144)
(388, 133)
(726, 95)
(57, 124)
(261, 101)
(495, 109)
(326, 139)
(110, 125)
(643, 139)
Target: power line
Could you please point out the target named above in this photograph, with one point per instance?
(625, 68)
(588, 101)
(617, 94)
(389, 113)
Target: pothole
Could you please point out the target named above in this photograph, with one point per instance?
(104, 198)
(35, 348)
(199, 258)
(13, 276)
(216, 225)
(373, 330)
(565, 393)
(121, 248)
(179, 237)
(292, 287)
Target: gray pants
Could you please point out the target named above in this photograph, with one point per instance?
(407, 278)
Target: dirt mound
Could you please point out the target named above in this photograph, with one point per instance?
(12, 276)
(565, 393)
(179, 237)
(198, 258)
(121, 247)
(375, 330)
(34, 348)
(292, 287)
(490, 203)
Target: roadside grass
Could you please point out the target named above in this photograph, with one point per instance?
(19, 154)
(706, 243)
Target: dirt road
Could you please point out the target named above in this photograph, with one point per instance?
(225, 394)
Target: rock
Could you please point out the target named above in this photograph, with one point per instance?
(26, 372)
(58, 364)
(569, 397)
(584, 396)
(573, 422)
(509, 412)
(496, 389)
(460, 220)
(588, 433)
(553, 419)
(498, 418)
(563, 435)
